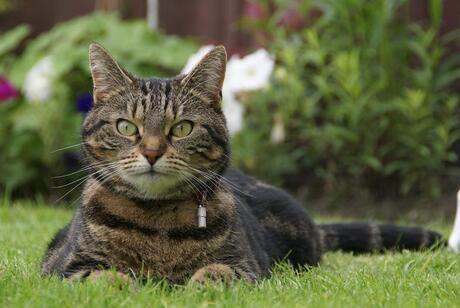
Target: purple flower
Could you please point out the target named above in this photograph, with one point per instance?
(85, 102)
(292, 19)
(71, 160)
(7, 90)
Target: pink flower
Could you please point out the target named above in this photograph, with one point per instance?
(255, 11)
(7, 90)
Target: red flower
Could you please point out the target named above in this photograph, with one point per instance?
(7, 90)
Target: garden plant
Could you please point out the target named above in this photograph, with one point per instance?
(335, 96)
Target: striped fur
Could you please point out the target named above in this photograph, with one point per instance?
(366, 237)
(139, 215)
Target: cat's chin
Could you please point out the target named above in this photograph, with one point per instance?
(155, 185)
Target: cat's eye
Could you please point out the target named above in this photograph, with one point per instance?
(126, 128)
(182, 129)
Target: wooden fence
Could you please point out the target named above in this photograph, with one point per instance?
(212, 21)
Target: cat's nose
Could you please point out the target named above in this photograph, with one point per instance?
(152, 155)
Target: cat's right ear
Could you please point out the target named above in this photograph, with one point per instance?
(207, 77)
(108, 77)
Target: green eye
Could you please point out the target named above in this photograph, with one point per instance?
(182, 129)
(126, 128)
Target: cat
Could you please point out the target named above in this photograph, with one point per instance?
(163, 203)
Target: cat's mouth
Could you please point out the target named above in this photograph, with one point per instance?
(150, 174)
(153, 184)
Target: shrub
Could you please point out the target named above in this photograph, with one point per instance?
(359, 95)
(53, 73)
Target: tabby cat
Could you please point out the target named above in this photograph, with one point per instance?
(158, 150)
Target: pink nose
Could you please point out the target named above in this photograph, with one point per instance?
(152, 155)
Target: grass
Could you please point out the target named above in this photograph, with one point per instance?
(409, 279)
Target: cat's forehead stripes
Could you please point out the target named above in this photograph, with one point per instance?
(155, 95)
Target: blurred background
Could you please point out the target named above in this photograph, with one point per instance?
(351, 105)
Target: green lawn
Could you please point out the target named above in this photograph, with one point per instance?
(393, 280)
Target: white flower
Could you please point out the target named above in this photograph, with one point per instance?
(242, 74)
(233, 111)
(454, 240)
(278, 133)
(195, 58)
(249, 73)
(38, 82)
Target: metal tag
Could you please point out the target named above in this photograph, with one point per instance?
(201, 216)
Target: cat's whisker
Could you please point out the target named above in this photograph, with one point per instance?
(84, 177)
(194, 189)
(95, 165)
(226, 180)
(101, 181)
(83, 180)
(73, 182)
(68, 147)
(104, 164)
(212, 176)
(105, 178)
(190, 183)
(202, 184)
(186, 177)
(228, 156)
(231, 184)
(67, 193)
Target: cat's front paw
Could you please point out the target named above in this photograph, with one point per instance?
(111, 276)
(213, 273)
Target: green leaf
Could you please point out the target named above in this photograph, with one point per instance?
(11, 39)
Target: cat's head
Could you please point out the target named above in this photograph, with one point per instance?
(156, 138)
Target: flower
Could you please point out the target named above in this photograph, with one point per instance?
(231, 107)
(277, 134)
(233, 111)
(38, 82)
(7, 90)
(84, 102)
(249, 73)
(242, 74)
(255, 11)
(292, 19)
(454, 239)
(195, 58)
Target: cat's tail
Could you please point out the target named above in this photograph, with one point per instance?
(366, 237)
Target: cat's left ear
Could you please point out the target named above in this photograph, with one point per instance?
(108, 76)
(207, 77)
